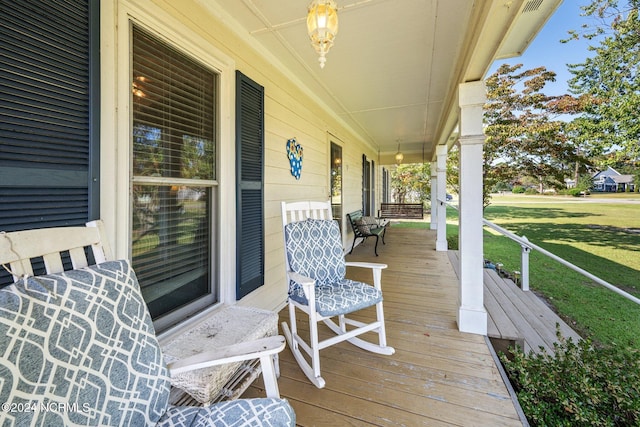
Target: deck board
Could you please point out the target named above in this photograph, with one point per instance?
(519, 316)
(438, 375)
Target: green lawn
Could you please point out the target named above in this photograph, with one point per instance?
(602, 237)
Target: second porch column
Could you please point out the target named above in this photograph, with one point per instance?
(441, 196)
(434, 195)
(472, 316)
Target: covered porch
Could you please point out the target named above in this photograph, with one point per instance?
(438, 375)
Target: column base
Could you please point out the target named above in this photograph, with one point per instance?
(472, 321)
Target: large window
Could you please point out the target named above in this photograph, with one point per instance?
(174, 187)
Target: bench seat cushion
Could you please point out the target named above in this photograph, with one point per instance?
(245, 412)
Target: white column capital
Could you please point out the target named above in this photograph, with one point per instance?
(472, 93)
(471, 98)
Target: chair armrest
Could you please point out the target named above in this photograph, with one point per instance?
(375, 265)
(376, 270)
(300, 279)
(264, 349)
(307, 283)
(229, 354)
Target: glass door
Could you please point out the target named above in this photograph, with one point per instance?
(336, 183)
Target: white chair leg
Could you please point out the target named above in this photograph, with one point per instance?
(311, 371)
(315, 351)
(382, 333)
(342, 323)
(269, 376)
(294, 324)
(276, 364)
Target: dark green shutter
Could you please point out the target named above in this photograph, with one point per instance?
(249, 178)
(49, 111)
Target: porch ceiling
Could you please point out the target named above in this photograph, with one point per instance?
(393, 73)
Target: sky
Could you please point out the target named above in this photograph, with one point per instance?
(546, 49)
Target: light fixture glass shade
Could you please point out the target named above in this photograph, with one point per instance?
(399, 157)
(322, 26)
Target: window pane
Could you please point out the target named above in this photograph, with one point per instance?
(174, 112)
(170, 244)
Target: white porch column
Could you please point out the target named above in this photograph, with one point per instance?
(434, 195)
(472, 316)
(441, 194)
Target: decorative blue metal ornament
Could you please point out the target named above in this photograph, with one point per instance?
(294, 153)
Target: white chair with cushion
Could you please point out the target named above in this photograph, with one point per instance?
(316, 270)
(78, 347)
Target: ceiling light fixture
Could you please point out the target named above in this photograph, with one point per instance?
(399, 156)
(322, 25)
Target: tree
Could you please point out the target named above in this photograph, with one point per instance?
(411, 182)
(610, 78)
(526, 131)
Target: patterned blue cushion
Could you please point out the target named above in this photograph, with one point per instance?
(79, 348)
(80, 342)
(314, 249)
(244, 412)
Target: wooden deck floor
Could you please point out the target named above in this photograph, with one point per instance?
(518, 317)
(438, 375)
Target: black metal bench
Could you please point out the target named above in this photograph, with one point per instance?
(401, 210)
(365, 227)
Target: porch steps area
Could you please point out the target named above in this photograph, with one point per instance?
(516, 316)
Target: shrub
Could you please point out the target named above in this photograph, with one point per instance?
(500, 186)
(575, 192)
(452, 242)
(531, 191)
(518, 189)
(582, 385)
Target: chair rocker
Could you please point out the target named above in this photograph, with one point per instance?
(317, 286)
(78, 347)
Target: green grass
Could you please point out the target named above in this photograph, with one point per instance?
(601, 238)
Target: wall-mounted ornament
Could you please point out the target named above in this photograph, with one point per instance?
(294, 153)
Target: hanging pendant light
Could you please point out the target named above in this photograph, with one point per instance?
(322, 26)
(399, 156)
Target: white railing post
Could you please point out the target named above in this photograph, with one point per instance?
(530, 246)
(525, 263)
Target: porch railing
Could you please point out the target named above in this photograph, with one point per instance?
(527, 246)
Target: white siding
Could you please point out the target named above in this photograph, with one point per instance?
(290, 112)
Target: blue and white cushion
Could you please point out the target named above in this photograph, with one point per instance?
(81, 341)
(265, 412)
(79, 348)
(314, 249)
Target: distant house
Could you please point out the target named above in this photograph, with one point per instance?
(611, 180)
(570, 183)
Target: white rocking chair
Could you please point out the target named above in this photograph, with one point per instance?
(315, 274)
